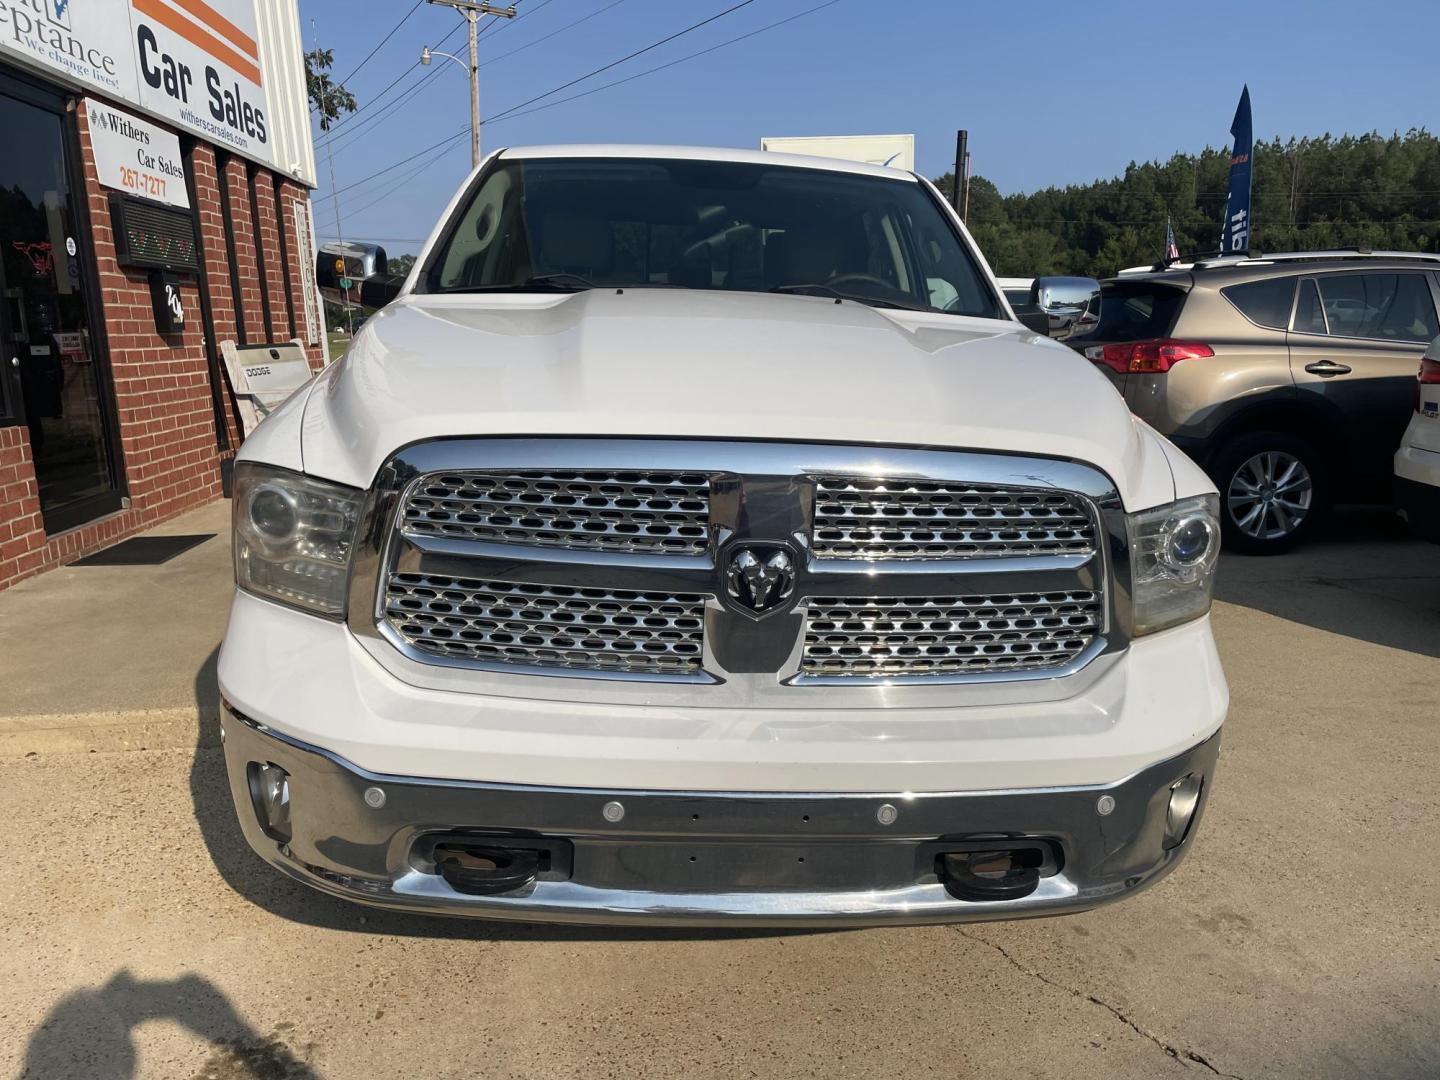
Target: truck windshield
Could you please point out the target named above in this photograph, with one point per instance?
(558, 224)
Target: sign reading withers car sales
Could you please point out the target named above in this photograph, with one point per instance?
(135, 155)
(194, 62)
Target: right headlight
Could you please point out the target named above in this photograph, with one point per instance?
(1173, 551)
(294, 535)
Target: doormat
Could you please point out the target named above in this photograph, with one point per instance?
(144, 550)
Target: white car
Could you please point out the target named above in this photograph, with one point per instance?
(696, 538)
(1417, 462)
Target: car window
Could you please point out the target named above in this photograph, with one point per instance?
(1390, 307)
(1017, 297)
(1309, 315)
(587, 222)
(1266, 303)
(1136, 312)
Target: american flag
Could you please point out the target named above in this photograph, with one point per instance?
(1172, 253)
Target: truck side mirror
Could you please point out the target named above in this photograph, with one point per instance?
(1062, 306)
(377, 291)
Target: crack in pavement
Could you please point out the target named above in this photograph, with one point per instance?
(1182, 1055)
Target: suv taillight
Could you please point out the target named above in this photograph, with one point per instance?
(1152, 356)
(1428, 375)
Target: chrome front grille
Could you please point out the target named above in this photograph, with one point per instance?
(871, 637)
(873, 518)
(605, 510)
(547, 626)
(779, 574)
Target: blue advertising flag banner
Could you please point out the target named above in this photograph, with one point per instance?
(1235, 236)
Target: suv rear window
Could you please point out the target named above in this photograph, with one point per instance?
(1266, 303)
(1136, 312)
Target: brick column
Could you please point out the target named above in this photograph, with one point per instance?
(242, 235)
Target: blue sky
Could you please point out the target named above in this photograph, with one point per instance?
(1051, 92)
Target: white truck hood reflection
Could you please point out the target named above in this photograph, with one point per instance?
(689, 363)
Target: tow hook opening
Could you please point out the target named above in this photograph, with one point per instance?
(492, 865)
(994, 870)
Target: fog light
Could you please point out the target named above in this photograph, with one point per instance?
(1184, 798)
(270, 791)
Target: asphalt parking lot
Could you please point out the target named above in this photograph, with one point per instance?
(1301, 938)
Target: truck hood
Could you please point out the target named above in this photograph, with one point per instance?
(691, 363)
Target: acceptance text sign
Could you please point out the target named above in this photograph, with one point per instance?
(195, 62)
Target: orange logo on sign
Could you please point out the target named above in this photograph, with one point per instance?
(238, 50)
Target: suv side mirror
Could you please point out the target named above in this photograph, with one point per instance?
(1062, 306)
(377, 291)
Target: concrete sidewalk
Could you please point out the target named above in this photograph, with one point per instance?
(117, 657)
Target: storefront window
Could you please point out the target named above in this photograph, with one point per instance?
(54, 382)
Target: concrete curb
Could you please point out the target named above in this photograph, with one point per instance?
(109, 732)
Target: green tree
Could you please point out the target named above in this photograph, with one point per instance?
(327, 98)
(1320, 192)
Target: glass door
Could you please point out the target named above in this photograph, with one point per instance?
(45, 333)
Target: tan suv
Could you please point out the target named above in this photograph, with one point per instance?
(1290, 378)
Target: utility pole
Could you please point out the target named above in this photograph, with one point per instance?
(960, 189)
(339, 232)
(470, 11)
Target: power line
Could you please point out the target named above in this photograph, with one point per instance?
(383, 40)
(405, 179)
(547, 37)
(409, 94)
(389, 109)
(511, 115)
(631, 56)
(639, 52)
(371, 103)
(396, 165)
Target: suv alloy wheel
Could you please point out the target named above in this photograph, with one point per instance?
(1272, 492)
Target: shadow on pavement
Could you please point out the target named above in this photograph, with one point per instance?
(89, 1032)
(1363, 576)
(248, 874)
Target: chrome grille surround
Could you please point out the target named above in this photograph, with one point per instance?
(869, 637)
(607, 510)
(758, 494)
(880, 518)
(547, 625)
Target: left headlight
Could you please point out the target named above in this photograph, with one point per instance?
(1173, 551)
(294, 536)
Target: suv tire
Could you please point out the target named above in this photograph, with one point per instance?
(1273, 490)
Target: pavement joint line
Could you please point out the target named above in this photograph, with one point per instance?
(1182, 1055)
(104, 718)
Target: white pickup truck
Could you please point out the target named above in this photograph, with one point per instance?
(699, 538)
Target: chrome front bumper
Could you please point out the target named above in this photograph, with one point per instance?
(705, 858)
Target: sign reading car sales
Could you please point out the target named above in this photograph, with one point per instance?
(135, 155)
(195, 62)
(200, 65)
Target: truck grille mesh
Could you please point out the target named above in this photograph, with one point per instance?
(603, 510)
(876, 637)
(862, 518)
(547, 625)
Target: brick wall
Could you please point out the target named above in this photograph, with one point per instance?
(167, 444)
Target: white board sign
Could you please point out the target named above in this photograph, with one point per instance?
(892, 151)
(135, 155)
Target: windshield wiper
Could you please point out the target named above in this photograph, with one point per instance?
(562, 280)
(817, 289)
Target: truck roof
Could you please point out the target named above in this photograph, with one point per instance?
(704, 153)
